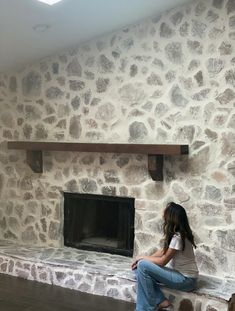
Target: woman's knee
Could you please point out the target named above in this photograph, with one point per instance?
(143, 265)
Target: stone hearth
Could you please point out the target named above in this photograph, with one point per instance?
(103, 274)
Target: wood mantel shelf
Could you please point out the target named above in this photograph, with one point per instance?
(155, 152)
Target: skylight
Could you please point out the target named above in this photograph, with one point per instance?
(50, 2)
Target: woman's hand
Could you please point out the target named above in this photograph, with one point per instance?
(135, 262)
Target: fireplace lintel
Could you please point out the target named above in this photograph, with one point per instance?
(155, 152)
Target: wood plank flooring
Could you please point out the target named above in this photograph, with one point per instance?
(21, 295)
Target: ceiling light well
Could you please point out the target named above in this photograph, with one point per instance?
(50, 2)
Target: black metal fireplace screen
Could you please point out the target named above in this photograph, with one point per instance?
(99, 223)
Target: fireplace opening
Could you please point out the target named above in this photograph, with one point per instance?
(99, 223)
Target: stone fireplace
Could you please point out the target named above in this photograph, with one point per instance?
(99, 223)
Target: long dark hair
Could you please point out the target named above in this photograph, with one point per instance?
(176, 220)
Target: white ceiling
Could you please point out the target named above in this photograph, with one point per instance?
(70, 22)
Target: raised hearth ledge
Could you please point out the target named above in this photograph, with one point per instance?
(99, 273)
(155, 152)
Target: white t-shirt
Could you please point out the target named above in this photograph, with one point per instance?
(183, 261)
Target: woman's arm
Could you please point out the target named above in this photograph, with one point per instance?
(161, 261)
(158, 253)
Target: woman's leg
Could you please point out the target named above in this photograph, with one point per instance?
(149, 275)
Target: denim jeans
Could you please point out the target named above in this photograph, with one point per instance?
(149, 275)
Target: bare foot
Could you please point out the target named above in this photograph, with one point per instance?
(166, 303)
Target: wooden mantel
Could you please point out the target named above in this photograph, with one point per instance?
(155, 152)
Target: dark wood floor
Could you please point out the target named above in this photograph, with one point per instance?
(20, 295)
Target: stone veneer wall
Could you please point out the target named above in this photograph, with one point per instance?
(166, 80)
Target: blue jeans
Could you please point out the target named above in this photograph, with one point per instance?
(148, 275)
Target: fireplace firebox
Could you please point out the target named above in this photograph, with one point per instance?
(99, 223)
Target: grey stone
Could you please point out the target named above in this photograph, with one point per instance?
(29, 220)
(43, 224)
(13, 84)
(75, 102)
(109, 190)
(198, 29)
(228, 145)
(203, 94)
(110, 176)
(132, 94)
(55, 68)
(54, 230)
(214, 66)
(88, 159)
(160, 109)
(101, 85)
(105, 112)
(211, 134)
(218, 4)
(180, 194)
(226, 237)
(213, 194)
(231, 168)
(176, 18)
(105, 65)
(184, 29)
(88, 185)
(10, 235)
(200, 8)
(122, 161)
(226, 97)
(205, 263)
(29, 236)
(113, 292)
(177, 97)
(208, 209)
(170, 75)
(27, 130)
(230, 6)
(7, 119)
(135, 174)
(195, 47)
(75, 128)
(199, 78)
(137, 131)
(232, 21)
(194, 64)
(31, 84)
(133, 70)
(157, 62)
(231, 123)
(76, 85)
(74, 68)
(54, 93)
(232, 35)
(174, 52)
(186, 132)
(230, 77)
(50, 120)
(216, 33)
(94, 135)
(32, 112)
(230, 203)
(154, 79)
(225, 48)
(166, 31)
(26, 183)
(212, 16)
(72, 186)
(41, 132)
(89, 75)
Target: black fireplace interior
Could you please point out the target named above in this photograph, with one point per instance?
(99, 223)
